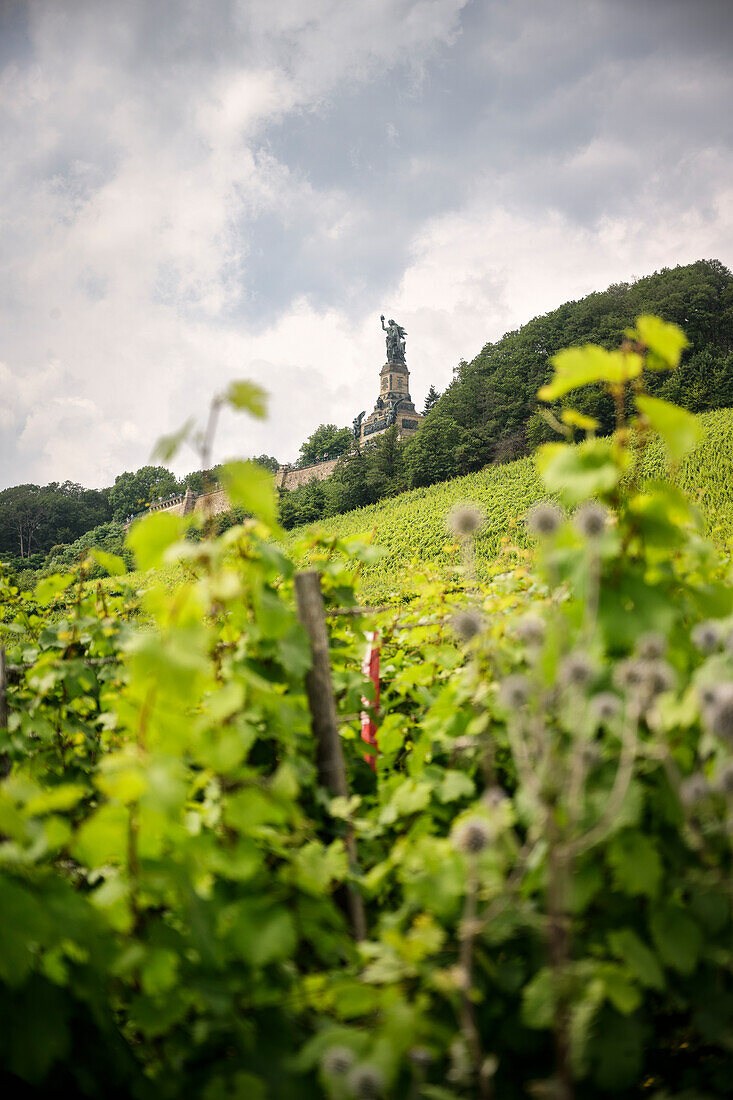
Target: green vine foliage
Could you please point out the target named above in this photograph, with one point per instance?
(544, 852)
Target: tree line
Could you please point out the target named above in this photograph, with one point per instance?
(488, 414)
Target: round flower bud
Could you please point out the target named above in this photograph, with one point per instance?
(366, 1083)
(544, 518)
(590, 520)
(514, 691)
(693, 790)
(464, 743)
(724, 779)
(606, 706)
(337, 1061)
(706, 637)
(531, 630)
(576, 670)
(471, 836)
(719, 714)
(707, 694)
(421, 1056)
(629, 675)
(651, 646)
(659, 677)
(464, 520)
(467, 624)
(493, 797)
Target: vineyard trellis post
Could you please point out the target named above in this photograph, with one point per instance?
(322, 704)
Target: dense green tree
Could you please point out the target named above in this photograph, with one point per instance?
(431, 400)
(36, 517)
(430, 455)
(269, 462)
(327, 441)
(131, 493)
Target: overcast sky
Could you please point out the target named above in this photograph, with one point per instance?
(199, 190)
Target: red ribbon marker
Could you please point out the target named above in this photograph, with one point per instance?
(370, 668)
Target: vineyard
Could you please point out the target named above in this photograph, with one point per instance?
(210, 891)
(411, 527)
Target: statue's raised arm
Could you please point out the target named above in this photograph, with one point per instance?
(395, 340)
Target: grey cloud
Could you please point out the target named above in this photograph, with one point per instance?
(182, 179)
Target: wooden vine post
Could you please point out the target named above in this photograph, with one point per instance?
(322, 704)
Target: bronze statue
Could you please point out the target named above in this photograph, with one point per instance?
(356, 425)
(395, 340)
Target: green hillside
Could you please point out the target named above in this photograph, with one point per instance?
(411, 527)
(489, 412)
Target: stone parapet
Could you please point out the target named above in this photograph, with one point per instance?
(291, 477)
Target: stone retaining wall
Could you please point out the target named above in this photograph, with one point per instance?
(291, 477)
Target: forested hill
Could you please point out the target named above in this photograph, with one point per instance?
(488, 413)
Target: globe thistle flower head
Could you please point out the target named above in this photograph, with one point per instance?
(471, 836)
(693, 790)
(591, 519)
(591, 753)
(605, 706)
(629, 675)
(514, 691)
(464, 520)
(337, 1061)
(651, 646)
(707, 694)
(465, 743)
(420, 1056)
(659, 677)
(467, 624)
(706, 637)
(543, 519)
(366, 1082)
(576, 670)
(530, 629)
(719, 712)
(493, 798)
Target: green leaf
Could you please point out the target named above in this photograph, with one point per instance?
(411, 797)
(621, 992)
(636, 865)
(580, 472)
(576, 367)
(640, 959)
(679, 429)
(103, 837)
(667, 341)
(579, 420)
(248, 396)
(249, 486)
(113, 564)
(51, 586)
(538, 1000)
(159, 971)
(617, 1050)
(677, 936)
(261, 935)
(455, 785)
(150, 537)
(168, 445)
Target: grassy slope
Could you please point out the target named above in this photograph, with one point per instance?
(411, 527)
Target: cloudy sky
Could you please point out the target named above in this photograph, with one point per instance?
(199, 190)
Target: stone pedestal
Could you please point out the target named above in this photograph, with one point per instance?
(394, 405)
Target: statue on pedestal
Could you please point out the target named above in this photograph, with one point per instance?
(395, 340)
